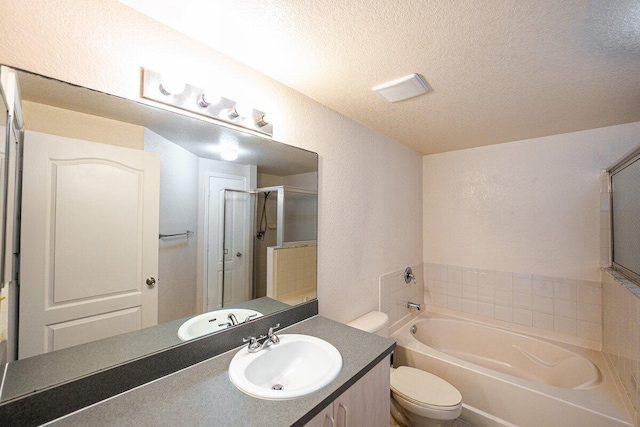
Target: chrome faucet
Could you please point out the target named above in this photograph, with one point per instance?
(408, 276)
(254, 345)
(414, 306)
(233, 319)
(250, 317)
(270, 339)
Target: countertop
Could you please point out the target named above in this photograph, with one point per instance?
(45, 370)
(203, 394)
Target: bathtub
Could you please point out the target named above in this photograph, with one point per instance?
(512, 379)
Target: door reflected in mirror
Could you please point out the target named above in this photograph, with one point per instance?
(132, 224)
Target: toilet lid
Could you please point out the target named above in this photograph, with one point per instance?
(423, 388)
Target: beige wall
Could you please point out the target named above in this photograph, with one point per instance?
(71, 124)
(370, 203)
(529, 206)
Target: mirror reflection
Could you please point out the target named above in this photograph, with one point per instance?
(132, 224)
(4, 113)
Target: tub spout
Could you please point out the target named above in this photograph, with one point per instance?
(414, 306)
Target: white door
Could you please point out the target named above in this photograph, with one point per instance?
(215, 249)
(89, 242)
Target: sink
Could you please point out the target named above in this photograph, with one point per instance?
(296, 366)
(209, 322)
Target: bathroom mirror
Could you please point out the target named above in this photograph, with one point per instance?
(132, 224)
(5, 130)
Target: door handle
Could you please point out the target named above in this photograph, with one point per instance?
(238, 254)
(346, 414)
(151, 282)
(329, 418)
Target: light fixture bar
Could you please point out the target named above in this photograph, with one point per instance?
(191, 99)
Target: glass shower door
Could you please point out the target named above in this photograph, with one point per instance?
(237, 249)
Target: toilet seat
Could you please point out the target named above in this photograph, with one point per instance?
(424, 389)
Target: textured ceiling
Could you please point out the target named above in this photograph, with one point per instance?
(500, 70)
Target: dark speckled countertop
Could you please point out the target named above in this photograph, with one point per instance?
(45, 370)
(203, 394)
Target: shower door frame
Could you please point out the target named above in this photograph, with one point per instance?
(280, 189)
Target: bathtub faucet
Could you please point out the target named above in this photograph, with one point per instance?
(414, 306)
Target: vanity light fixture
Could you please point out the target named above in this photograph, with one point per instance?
(232, 113)
(208, 98)
(171, 91)
(263, 120)
(171, 85)
(240, 110)
(244, 110)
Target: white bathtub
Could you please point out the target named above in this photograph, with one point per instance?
(512, 379)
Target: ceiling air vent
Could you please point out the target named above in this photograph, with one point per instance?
(402, 88)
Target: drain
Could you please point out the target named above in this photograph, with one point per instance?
(277, 387)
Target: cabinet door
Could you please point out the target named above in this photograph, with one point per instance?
(323, 419)
(366, 403)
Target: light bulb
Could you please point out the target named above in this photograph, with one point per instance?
(229, 154)
(263, 121)
(243, 109)
(171, 85)
(208, 98)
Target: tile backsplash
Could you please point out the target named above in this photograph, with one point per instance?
(394, 293)
(566, 306)
(621, 335)
(291, 273)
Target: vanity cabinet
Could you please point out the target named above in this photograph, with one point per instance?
(366, 403)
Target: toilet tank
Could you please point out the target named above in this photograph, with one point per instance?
(375, 322)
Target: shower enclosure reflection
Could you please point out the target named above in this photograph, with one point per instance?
(283, 244)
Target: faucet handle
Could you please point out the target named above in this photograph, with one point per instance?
(273, 328)
(250, 317)
(253, 346)
(408, 276)
(273, 337)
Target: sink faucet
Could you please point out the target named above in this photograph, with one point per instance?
(233, 319)
(270, 339)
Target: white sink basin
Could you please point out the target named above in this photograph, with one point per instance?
(296, 366)
(213, 321)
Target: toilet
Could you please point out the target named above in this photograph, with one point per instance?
(418, 398)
